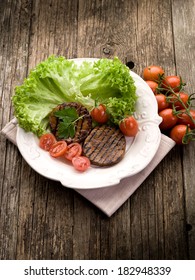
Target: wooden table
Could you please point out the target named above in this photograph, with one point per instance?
(41, 219)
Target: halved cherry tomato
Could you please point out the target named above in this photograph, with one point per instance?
(183, 118)
(81, 163)
(178, 132)
(99, 114)
(172, 83)
(153, 85)
(129, 126)
(46, 141)
(168, 119)
(58, 149)
(153, 73)
(176, 97)
(161, 101)
(73, 150)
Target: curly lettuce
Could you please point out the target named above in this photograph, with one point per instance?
(110, 83)
(57, 80)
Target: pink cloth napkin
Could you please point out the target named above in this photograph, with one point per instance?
(109, 199)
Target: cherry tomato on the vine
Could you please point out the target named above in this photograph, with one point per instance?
(58, 149)
(129, 126)
(184, 118)
(179, 99)
(73, 150)
(81, 163)
(99, 114)
(168, 119)
(161, 101)
(46, 141)
(172, 83)
(153, 85)
(153, 73)
(178, 132)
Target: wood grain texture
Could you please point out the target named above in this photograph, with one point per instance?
(40, 219)
(184, 34)
(14, 55)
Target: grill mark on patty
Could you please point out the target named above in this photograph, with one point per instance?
(105, 146)
(107, 157)
(110, 157)
(95, 141)
(102, 143)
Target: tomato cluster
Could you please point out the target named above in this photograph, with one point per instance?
(174, 104)
(60, 149)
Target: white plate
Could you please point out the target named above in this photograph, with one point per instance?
(139, 152)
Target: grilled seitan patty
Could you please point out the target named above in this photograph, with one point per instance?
(105, 145)
(82, 127)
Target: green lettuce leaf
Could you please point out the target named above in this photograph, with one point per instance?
(110, 83)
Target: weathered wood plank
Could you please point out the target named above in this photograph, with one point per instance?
(14, 37)
(106, 30)
(127, 29)
(184, 33)
(45, 207)
(109, 27)
(157, 234)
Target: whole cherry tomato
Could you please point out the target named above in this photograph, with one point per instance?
(153, 85)
(172, 83)
(168, 119)
(129, 126)
(46, 141)
(162, 102)
(99, 114)
(183, 118)
(179, 99)
(153, 73)
(178, 132)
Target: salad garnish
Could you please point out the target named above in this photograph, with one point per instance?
(57, 80)
(68, 117)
